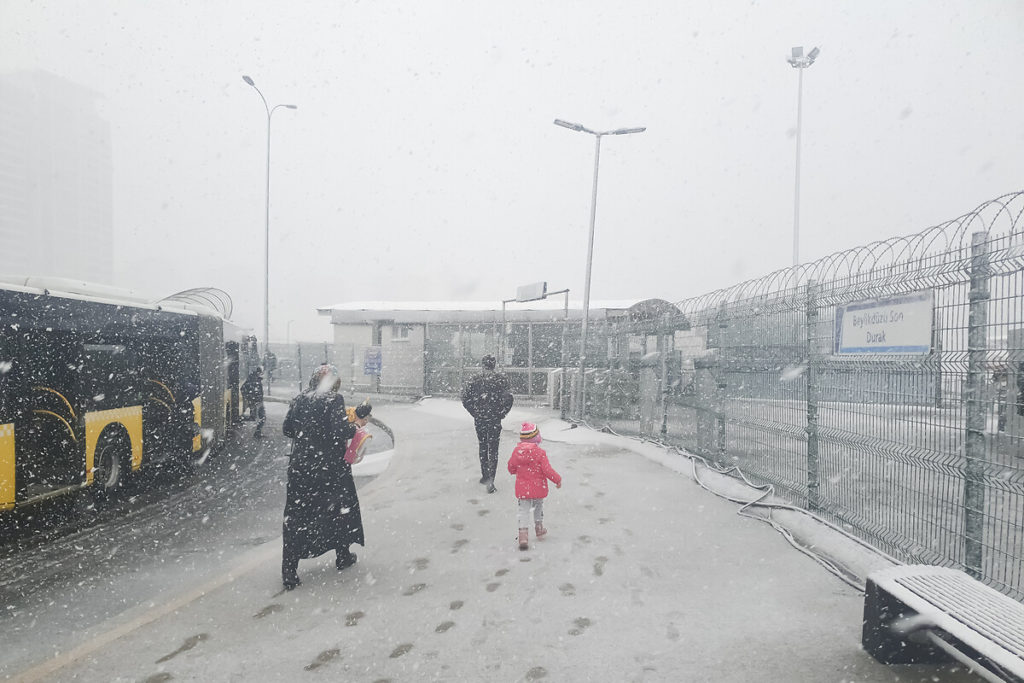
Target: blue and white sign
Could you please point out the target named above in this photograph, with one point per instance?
(899, 325)
(372, 360)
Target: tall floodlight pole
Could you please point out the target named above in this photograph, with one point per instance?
(266, 232)
(590, 245)
(799, 61)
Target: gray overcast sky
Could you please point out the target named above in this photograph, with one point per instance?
(422, 162)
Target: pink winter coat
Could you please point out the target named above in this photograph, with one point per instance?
(530, 464)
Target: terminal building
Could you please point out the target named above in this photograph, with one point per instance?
(432, 347)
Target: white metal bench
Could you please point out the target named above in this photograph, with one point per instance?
(926, 614)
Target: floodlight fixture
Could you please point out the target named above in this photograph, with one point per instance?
(798, 60)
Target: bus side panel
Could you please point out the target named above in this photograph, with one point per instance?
(212, 377)
(6, 466)
(197, 412)
(95, 422)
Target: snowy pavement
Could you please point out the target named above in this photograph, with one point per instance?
(644, 576)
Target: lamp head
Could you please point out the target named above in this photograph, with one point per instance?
(798, 60)
(570, 126)
(290, 106)
(248, 80)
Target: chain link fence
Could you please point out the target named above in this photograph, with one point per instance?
(293, 363)
(919, 454)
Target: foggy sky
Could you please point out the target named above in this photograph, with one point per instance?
(422, 162)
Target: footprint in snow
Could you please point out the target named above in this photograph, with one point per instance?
(189, 643)
(323, 658)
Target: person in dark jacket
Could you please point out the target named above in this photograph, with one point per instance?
(252, 392)
(321, 512)
(488, 398)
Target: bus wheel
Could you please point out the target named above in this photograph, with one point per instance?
(109, 471)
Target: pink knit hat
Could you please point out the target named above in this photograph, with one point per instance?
(529, 433)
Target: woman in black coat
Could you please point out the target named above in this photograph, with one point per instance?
(322, 509)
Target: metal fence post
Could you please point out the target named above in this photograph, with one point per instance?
(666, 340)
(811, 378)
(937, 355)
(720, 384)
(974, 451)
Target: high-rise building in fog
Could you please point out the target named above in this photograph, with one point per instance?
(56, 205)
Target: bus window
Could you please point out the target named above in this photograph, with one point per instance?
(106, 375)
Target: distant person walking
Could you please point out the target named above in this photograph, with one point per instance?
(252, 392)
(321, 512)
(488, 398)
(529, 462)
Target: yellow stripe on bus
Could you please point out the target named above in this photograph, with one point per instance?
(66, 402)
(156, 400)
(169, 393)
(66, 425)
(197, 411)
(6, 466)
(130, 418)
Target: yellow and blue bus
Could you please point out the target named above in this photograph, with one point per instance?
(97, 385)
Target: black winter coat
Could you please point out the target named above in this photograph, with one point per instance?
(322, 509)
(487, 396)
(252, 389)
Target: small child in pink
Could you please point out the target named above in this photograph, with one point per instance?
(530, 464)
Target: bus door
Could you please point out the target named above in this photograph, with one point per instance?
(233, 382)
(45, 390)
(169, 381)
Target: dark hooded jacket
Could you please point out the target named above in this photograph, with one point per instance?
(321, 512)
(487, 396)
(252, 388)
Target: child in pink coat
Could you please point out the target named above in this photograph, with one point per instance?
(530, 464)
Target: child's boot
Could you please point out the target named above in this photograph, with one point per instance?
(524, 536)
(540, 529)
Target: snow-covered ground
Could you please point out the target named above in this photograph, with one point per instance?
(644, 576)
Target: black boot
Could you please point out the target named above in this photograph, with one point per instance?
(290, 573)
(345, 559)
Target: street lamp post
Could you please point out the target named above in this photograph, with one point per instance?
(266, 233)
(799, 61)
(590, 245)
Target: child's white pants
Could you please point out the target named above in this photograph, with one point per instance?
(525, 506)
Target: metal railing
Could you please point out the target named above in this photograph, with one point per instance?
(920, 455)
